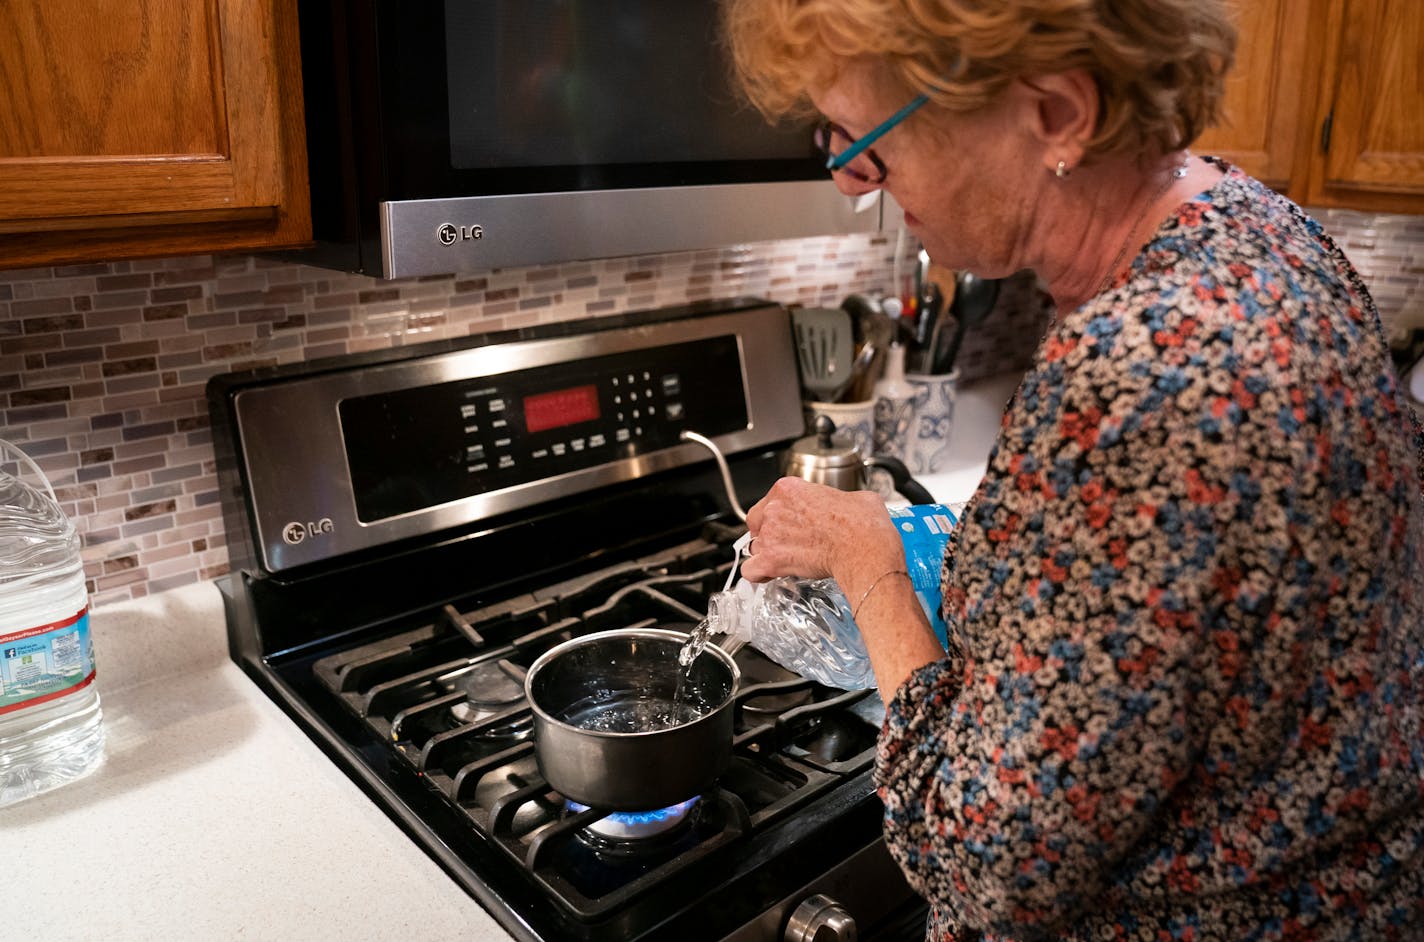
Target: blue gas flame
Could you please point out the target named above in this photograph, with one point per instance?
(636, 818)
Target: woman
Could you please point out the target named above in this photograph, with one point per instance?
(1181, 695)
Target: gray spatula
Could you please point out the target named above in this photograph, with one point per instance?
(825, 341)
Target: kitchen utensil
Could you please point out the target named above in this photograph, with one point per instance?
(874, 332)
(947, 283)
(934, 289)
(922, 272)
(927, 325)
(974, 299)
(866, 356)
(599, 702)
(921, 287)
(826, 346)
(827, 458)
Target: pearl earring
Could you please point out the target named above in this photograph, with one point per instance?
(1062, 170)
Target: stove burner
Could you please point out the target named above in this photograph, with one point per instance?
(488, 688)
(489, 684)
(637, 825)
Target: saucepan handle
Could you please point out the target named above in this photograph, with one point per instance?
(908, 487)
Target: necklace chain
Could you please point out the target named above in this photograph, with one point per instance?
(1176, 174)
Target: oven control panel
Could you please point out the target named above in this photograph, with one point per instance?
(349, 454)
(413, 448)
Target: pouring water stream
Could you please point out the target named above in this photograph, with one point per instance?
(696, 641)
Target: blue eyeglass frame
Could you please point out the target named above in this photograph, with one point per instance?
(839, 161)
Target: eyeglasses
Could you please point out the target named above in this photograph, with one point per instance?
(854, 157)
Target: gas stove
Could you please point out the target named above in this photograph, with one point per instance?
(410, 530)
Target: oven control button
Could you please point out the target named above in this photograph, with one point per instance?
(672, 384)
(578, 444)
(820, 919)
(595, 441)
(674, 410)
(559, 448)
(621, 435)
(496, 405)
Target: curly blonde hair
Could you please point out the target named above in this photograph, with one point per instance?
(1159, 65)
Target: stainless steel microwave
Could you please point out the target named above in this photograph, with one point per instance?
(466, 135)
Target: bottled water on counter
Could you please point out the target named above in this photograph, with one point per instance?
(806, 625)
(50, 722)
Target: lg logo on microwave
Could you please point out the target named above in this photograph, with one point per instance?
(296, 531)
(449, 233)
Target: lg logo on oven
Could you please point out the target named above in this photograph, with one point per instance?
(296, 531)
(449, 233)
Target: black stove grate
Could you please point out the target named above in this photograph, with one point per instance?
(447, 698)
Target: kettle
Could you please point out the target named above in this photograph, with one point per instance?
(827, 458)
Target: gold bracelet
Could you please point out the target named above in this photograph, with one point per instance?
(866, 594)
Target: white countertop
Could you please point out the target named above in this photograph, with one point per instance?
(214, 817)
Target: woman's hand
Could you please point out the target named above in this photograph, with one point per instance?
(813, 531)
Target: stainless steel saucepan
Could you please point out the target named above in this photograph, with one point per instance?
(609, 730)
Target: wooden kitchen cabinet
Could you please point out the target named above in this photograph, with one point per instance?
(1263, 107)
(1326, 102)
(1370, 109)
(147, 127)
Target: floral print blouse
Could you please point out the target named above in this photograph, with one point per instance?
(1185, 669)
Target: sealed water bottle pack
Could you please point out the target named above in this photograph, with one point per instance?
(50, 723)
(806, 625)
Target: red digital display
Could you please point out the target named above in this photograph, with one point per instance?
(561, 407)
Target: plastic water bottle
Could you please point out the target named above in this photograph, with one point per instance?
(50, 723)
(806, 625)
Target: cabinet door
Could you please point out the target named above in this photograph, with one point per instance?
(135, 127)
(1262, 107)
(1370, 149)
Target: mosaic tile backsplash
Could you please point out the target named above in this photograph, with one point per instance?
(102, 367)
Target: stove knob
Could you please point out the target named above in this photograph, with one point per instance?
(820, 919)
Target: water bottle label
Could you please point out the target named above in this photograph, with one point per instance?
(924, 530)
(45, 662)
